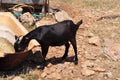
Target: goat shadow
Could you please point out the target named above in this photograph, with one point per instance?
(26, 66)
(58, 60)
(23, 68)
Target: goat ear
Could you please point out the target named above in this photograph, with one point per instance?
(16, 38)
(26, 38)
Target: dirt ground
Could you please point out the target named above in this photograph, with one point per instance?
(101, 19)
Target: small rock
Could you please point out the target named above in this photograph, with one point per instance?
(39, 79)
(62, 15)
(90, 35)
(49, 65)
(47, 71)
(108, 75)
(27, 18)
(58, 70)
(44, 74)
(111, 49)
(94, 41)
(76, 72)
(67, 63)
(117, 78)
(77, 79)
(52, 69)
(17, 78)
(90, 56)
(54, 75)
(87, 72)
(98, 69)
(87, 64)
(45, 21)
(61, 66)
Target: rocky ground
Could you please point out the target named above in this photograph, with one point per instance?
(97, 41)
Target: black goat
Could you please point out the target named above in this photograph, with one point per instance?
(52, 35)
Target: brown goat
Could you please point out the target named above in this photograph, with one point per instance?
(11, 61)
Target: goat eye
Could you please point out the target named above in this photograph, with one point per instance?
(18, 42)
(26, 38)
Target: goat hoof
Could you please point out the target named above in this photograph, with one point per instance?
(63, 58)
(76, 62)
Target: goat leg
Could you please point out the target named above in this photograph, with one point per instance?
(73, 42)
(44, 53)
(67, 45)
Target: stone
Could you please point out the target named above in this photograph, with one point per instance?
(77, 79)
(49, 65)
(90, 56)
(62, 15)
(90, 35)
(44, 74)
(39, 79)
(58, 70)
(94, 41)
(117, 78)
(87, 64)
(87, 72)
(61, 66)
(47, 70)
(98, 69)
(76, 72)
(45, 21)
(52, 69)
(17, 78)
(67, 63)
(111, 49)
(27, 18)
(108, 75)
(55, 75)
(2, 54)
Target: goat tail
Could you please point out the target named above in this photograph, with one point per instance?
(79, 23)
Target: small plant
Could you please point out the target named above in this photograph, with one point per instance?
(30, 76)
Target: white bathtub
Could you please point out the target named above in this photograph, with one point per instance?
(8, 20)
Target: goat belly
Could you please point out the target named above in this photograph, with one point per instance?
(57, 43)
(55, 40)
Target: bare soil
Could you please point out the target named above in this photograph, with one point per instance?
(100, 18)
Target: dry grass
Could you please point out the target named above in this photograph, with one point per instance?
(100, 4)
